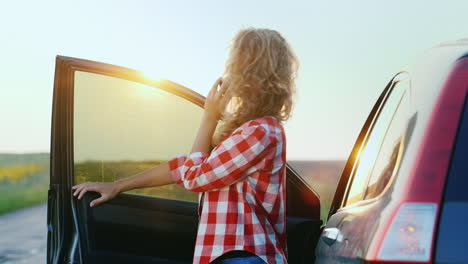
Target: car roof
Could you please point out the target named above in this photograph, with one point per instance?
(429, 71)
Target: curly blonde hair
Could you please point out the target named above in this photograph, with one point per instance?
(260, 76)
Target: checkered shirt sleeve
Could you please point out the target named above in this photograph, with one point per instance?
(227, 163)
(243, 184)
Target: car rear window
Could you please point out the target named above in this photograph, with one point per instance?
(457, 182)
(452, 228)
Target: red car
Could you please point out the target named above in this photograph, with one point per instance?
(403, 194)
(401, 197)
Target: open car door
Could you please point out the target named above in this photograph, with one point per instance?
(111, 122)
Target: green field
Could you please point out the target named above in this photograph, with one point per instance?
(111, 171)
(24, 180)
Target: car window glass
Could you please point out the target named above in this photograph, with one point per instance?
(390, 152)
(122, 128)
(457, 181)
(369, 151)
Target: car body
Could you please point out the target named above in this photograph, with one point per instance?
(109, 122)
(402, 194)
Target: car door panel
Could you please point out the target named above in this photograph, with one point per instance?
(355, 226)
(303, 224)
(157, 230)
(137, 226)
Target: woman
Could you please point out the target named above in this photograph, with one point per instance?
(240, 170)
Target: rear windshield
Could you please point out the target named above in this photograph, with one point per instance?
(457, 182)
(450, 247)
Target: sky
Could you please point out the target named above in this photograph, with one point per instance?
(347, 50)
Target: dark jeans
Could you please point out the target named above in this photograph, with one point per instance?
(238, 257)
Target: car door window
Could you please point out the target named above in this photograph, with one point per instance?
(123, 127)
(390, 153)
(369, 152)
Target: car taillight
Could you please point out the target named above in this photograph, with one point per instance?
(409, 237)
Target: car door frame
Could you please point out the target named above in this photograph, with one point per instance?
(347, 174)
(61, 209)
(331, 232)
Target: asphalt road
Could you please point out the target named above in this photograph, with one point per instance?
(23, 236)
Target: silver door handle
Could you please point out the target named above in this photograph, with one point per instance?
(331, 234)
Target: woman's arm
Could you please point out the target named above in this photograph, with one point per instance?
(210, 118)
(202, 141)
(233, 159)
(156, 176)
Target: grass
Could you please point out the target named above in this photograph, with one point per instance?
(110, 171)
(24, 180)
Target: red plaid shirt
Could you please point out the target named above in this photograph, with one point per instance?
(243, 183)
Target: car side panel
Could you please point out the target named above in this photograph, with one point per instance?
(357, 225)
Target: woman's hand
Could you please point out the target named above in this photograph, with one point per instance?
(212, 107)
(108, 190)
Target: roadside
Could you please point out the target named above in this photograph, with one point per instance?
(23, 237)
